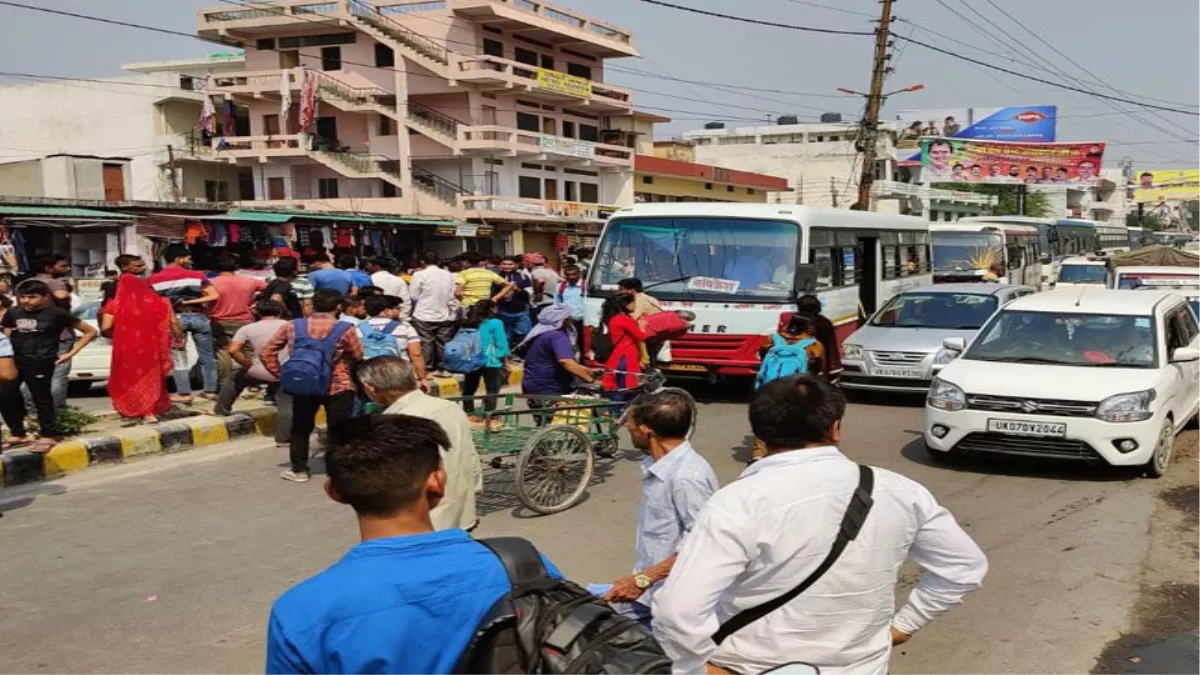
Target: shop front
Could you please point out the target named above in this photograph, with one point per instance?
(92, 239)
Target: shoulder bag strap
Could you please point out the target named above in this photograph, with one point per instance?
(856, 514)
(520, 558)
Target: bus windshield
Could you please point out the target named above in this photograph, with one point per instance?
(697, 258)
(966, 251)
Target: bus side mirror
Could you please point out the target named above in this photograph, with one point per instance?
(806, 279)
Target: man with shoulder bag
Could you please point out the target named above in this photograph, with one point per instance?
(797, 560)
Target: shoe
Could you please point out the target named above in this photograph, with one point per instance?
(295, 476)
(442, 373)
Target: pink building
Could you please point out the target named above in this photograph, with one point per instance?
(487, 110)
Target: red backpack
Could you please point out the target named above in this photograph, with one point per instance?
(664, 326)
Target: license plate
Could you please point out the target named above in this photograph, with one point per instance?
(1015, 428)
(685, 367)
(912, 373)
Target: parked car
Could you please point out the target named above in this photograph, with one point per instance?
(900, 348)
(1084, 374)
(93, 363)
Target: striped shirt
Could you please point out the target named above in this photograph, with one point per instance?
(178, 284)
(303, 287)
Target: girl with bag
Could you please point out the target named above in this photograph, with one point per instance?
(493, 343)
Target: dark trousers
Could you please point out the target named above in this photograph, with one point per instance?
(237, 383)
(12, 407)
(338, 408)
(434, 336)
(493, 380)
(38, 378)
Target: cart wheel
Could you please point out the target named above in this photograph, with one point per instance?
(691, 401)
(554, 469)
(606, 448)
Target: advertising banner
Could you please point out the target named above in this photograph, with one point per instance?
(557, 145)
(946, 160)
(1025, 124)
(1161, 185)
(553, 80)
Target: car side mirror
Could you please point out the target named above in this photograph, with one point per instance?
(806, 279)
(1185, 355)
(955, 344)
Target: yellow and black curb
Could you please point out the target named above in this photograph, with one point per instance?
(78, 454)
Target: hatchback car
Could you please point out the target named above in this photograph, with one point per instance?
(94, 362)
(900, 348)
(1097, 375)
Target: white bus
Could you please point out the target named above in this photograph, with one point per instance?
(983, 249)
(1112, 238)
(741, 267)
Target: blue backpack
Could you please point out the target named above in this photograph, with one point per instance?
(783, 360)
(379, 341)
(464, 353)
(309, 368)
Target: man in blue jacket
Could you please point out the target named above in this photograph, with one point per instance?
(405, 600)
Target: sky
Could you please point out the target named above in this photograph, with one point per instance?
(1147, 51)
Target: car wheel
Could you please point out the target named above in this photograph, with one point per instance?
(1164, 448)
(79, 388)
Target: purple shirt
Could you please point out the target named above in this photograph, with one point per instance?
(543, 374)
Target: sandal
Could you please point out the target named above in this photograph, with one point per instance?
(14, 445)
(182, 399)
(44, 445)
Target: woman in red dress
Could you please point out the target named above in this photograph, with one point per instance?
(628, 342)
(141, 323)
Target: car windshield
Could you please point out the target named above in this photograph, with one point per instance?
(966, 251)
(1082, 274)
(936, 310)
(1069, 339)
(731, 259)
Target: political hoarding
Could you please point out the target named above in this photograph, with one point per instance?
(1162, 185)
(952, 160)
(1025, 124)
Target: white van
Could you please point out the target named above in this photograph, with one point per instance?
(1082, 271)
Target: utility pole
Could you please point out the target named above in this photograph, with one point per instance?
(833, 190)
(171, 169)
(870, 122)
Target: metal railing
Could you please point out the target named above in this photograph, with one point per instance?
(331, 85)
(402, 34)
(433, 184)
(440, 122)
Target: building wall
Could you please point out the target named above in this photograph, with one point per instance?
(681, 188)
(22, 179)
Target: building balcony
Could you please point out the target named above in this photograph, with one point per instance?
(519, 208)
(493, 72)
(286, 147)
(885, 189)
(548, 23)
(223, 23)
(490, 139)
(188, 146)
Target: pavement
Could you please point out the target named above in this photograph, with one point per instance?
(171, 564)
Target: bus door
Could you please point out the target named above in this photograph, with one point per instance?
(866, 262)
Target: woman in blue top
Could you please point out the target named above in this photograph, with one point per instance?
(494, 345)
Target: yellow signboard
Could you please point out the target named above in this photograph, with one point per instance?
(1161, 185)
(552, 80)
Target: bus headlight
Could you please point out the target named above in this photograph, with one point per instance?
(852, 352)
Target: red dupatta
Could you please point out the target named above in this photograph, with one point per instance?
(141, 352)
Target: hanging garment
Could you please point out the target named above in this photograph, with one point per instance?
(195, 232)
(377, 241)
(235, 232)
(327, 237)
(344, 238)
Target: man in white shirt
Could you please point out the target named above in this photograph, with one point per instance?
(432, 294)
(763, 534)
(390, 381)
(391, 284)
(676, 484)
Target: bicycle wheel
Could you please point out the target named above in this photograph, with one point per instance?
(554, 469)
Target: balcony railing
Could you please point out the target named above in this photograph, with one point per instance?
(558, 15)
(491, 137)
(495, 68)
(270, 10)
(550, 208)
(399, 32)
(252, 146)
(437, 120)
(435, 185)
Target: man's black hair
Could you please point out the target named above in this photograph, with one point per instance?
(946, 143)
(631, 284)
(226, 264)
(32, 287)
(428, 258)
(378, 464)
(125, 260)
(799, 324)
(266, 308)
(346, 261)
(795, 412)
(326, 300)
(43, 261)
(375, 304)
(394, 301)
(514, 259)
(321, 258)
(285, 267)
(175, 252)
(367, 291)
(667, 414)
(808, 305)
(377, 262)
(572, 268)
(5, 302)
(473, 258)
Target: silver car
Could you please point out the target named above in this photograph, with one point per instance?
(900, 349)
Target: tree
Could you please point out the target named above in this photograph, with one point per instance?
(1149, 220)
(1006, 202)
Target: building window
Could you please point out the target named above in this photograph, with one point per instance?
(579, 71)
(729, 188)
(386, 126)
(547, 62)
(493, 47)
(331, 58)
(749, 191)
(493, 162)
(589, 193)
(384, 56)
(265, 44)
(588, 132)
(529, 187)
(492, 29)
(527, 122)
(390, 190)
(708, 186)
(216, 191)
(568, 129)
(327, 188)
(648, 180)
(317, 40)
(525, 56)
(527, 165)
(569, 190)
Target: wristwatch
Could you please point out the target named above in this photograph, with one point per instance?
(642, 581)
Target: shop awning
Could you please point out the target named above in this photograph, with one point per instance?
(60, 213)
(283, 217)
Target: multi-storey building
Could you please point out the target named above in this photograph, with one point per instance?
(488, 110)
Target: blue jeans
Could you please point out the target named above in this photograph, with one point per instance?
(516, 326)
(200, 329)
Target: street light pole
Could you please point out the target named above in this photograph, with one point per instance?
(870, 122)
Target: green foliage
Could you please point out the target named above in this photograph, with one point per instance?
(70, 421)
(1149, 220)
(1006, 202)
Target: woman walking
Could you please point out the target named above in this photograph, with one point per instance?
(141, 323)
(493, 344)
(627, 340)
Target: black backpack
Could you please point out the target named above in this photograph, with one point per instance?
(551, 626)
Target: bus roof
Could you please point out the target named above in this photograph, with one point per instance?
(1008, 220)
(960, 226)
(808, 215)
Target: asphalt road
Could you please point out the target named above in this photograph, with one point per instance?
(170, 564)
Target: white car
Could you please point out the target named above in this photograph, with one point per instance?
(94, 362)
(1099, 375)
(1082, 271)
